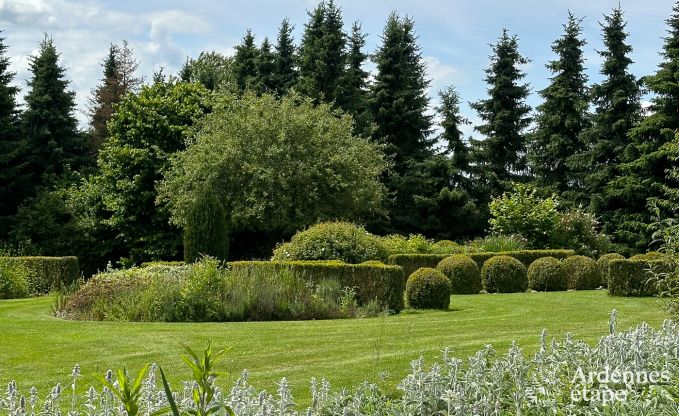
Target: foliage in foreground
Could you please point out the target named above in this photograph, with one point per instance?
(485, 384)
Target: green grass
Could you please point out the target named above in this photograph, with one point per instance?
(38, 349)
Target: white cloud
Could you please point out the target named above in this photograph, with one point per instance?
(441, 74)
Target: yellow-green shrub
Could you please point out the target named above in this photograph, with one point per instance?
(463, 272)
(547, 274)
(504, 274)
(428, 289)
(582, 272)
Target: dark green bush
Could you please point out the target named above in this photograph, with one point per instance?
(47, 273)
(603, 262)
(547, 274)
(582, 272)
(633, 277)
(428, 289)
(412, 262)
(13, 279)
(372, 282)
(206, 231)
(463, 273)
(343, 241)
(504, 274)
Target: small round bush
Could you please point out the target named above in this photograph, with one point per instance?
(428, 288)
(547, 274)
(463, 273)
(651, 255)
(343, 241)
(446, 247)
(582, 272)
(504, 274)
(604, 262)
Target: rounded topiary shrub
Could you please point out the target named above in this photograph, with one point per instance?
(547, 274)
(582, 273)
(428, 288)
(603, 263)
(504, 274)
(463, 273)
(333, 241)
(650, 256)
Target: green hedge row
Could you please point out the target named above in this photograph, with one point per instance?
(48, 273)
(384, 283)
(630, 277)
(412, 262)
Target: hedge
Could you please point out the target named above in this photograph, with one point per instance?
(630, 277)
(48, 273)
(384, 283)
(412, 262)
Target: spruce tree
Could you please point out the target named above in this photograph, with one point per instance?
(399, 99)
(617, 109)
(322, 56)
(285, 73)
(266, 77)
(10, 181)
(353, 96)
(502, 154)
(451, 120)
(211, 69)
(245, 62)
(649, 174)
(104, 98)
(49, 126)
(563, 115)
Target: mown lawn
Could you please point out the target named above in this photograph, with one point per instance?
(38, 349)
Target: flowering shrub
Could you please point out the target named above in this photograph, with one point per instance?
(564, 377)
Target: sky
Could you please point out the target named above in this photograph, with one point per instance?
(454, 35)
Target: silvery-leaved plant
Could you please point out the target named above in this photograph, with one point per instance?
(564, 377)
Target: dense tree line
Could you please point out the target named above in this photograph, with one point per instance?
(94, 191)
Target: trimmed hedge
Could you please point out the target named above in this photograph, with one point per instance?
(463, 273)
(603, 262)
(48, 273)
(504, 274)
(547, 274)
(412, 262)
(428, 289)
(630, 277)
(582, 272)
(384, 283)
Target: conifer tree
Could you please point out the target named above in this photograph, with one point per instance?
(285, 73)
(10, 182)
(211, 69)
(451, 135)
(353, 96)
(649, 173)
(49, 127)
(104, 98)
(502, 154)
(322, 56)
(266, 77)
(563, 115)
(245, 62)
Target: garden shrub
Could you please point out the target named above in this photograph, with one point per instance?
(603, 262)
(634, 277)
(547, 274)
(579, 230)
(206, 229)
(582, 272)
(651, 255)
(428, 289)
(463, 272)
(162, 263)
(496, 243)
(384, 283)
(412, 262)
(47, 273)
(504, 274)
(13, 279)
(343, 241)
(418, 244)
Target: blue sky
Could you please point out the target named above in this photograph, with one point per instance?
(454, 34)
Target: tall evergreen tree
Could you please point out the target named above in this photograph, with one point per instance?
(211, 69)
(399, 99)
(104, 98)
(245, 62)
(451, 135)
(285, 73)
(353, 96)
(617, 109)
(322, 56)
(562, 116)
(127, 66)
(10, 182)
(651, 158)
(49, 126)
(502, 154)
(266, 62)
